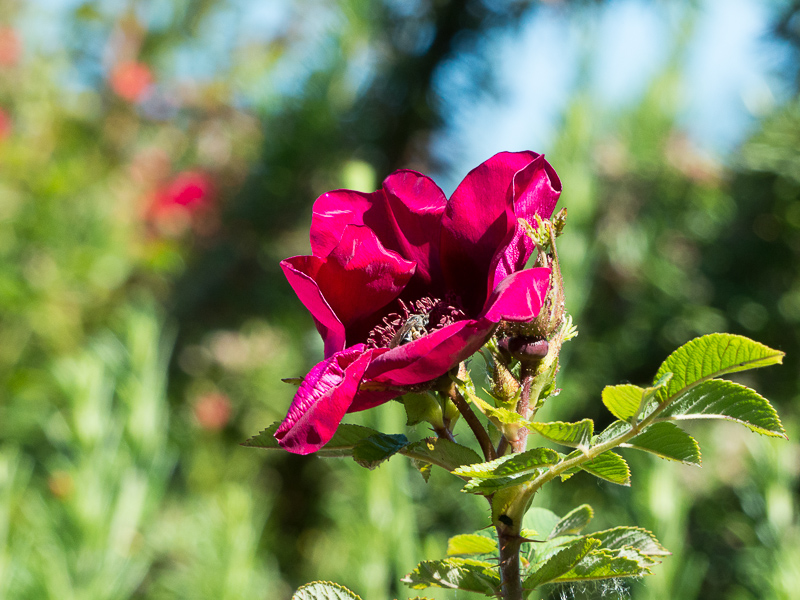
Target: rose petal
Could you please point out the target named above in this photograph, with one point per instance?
(478, 218)
(430, 356)
(333, 212)
(300, 272)
(519, 297)
(415, 208)
(536, 189)
(405, 215)
(514, 253)
(322, 400)
(359, 276)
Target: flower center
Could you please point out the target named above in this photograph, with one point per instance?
(415, 319)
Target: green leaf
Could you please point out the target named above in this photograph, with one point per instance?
(711, 356)
(324, 590)
(574, 522)
(667, 440)
(346, 438)
(484, 487)
(372, 451)
(471, 543)
(616, 428)
(623, 400)
(540, 520)
(721, 399)
(609, 466)
(512, 465)
(456, 574)
(441, 452)
(342, 443)
(422, 407)
(604, 564)
(631, 537)
(568, 434)
(265, 439)
(558, 563)
(425, 469)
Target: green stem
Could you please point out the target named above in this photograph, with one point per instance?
(474, 423)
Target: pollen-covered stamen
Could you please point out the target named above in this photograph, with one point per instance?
(415, 319)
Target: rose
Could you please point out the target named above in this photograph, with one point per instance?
(403, 284)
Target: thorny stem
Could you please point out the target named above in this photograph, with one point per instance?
(444, 432)
(474, 424)
(511, 582)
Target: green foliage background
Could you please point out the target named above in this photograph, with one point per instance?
(120, 331)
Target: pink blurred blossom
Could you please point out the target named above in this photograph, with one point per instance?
(131, 80)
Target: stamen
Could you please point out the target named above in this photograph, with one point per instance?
(415, 319)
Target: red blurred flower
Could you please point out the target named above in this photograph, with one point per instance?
(6, 125)
(184, 201)
(131, 80)
(212, 411)
(10, 47)
(404, 284)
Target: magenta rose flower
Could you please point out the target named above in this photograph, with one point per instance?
(404, 284)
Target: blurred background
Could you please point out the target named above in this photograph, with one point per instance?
(158, 159)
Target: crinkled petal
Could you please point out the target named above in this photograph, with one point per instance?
(322, 400)
(359, 276)
(518, 297)
(514, 253)
(430, 356)
(536, 189)
(415, 208)
(300, 271)
(477, 220)
(333, 212)
(405, 214)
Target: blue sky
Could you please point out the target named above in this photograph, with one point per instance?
(730, 65)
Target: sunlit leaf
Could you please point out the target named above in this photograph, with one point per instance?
(609, 466)
(623, 400)
(470, 543)
(604, 564)
(634, 537)
(324, 590)
(573, 522)
(441, 452)
(456, 574)
(667, 440)
(372, 451)
(568, 434)
(512, 465)
(711, 356)
(484, 487)
(722, 399)
(558, 563)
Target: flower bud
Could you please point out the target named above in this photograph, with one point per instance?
(524, 348)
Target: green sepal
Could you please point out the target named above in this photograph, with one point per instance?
(573, 522)
(422, 408)
(470, 543)
(722, 399)
(441, 452)
(464, 574)
(711, 356)
(372, 451)
(669, 441)
(575, 435)
(324, 590)
(512, 465)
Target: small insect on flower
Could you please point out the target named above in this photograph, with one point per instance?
(412, 329)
